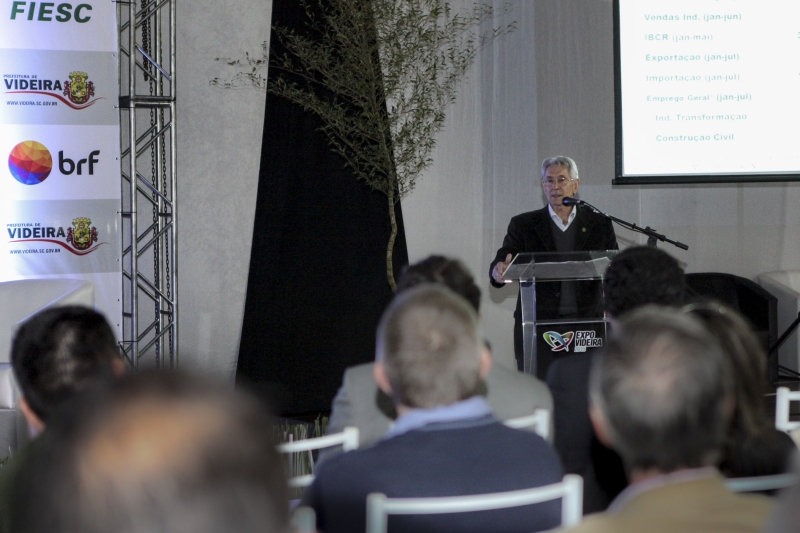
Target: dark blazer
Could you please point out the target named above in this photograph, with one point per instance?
(464, 457)
(531, 232)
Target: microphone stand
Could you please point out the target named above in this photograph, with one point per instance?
(652, 235)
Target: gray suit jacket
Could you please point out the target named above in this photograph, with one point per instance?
(362, 404)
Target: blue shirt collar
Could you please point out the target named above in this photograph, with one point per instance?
(474, 407)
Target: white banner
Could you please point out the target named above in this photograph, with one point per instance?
(59, 137)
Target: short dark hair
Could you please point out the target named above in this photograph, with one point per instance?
(665, 389)
(448, 272)
(428, 343)
(159, 452)
(642, 275)
(59, 352)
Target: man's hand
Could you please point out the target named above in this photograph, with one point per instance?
(500, 269)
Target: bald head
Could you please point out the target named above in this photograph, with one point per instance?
(161, 453)
(664, 390)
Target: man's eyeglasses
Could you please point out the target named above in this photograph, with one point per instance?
(550, 182)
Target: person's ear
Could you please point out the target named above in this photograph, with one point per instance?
(486, 362)
(600, 425)
(379, 373)
(119, 367)
(35, 424)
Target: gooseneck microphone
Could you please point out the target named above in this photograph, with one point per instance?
(571, 201)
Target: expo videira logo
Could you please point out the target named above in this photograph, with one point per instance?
(30, 162)
(78, 89)
(79, 239)
(560, 342)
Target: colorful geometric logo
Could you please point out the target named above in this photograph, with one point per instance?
(30, 162)
(557, 341)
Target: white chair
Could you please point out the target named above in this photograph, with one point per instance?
(569, 490)
(761, 483)
(347, 439)
(539, 421)
(782, 400)
(304, 520)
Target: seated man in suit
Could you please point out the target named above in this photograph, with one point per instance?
(446, 442)
(662, 396)
(158, 452)
(637, 276)
(362, 404)
(56, 355)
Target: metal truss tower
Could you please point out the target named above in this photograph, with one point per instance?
(148, 211)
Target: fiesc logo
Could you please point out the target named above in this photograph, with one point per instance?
(63, 12)
(78, 239)
(77, 89)
(559, 342)
(30, 163)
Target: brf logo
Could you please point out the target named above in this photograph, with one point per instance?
(30, 163)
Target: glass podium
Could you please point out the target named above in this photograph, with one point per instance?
(561, 294)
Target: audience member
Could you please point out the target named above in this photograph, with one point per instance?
(662, 396)
(56, 355)
(445, 442)
(159, 452)
(362, 404)
(754, 447)
(637, 276)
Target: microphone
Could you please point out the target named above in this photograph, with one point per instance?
(567, 200)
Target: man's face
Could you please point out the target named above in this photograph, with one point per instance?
(561, 186)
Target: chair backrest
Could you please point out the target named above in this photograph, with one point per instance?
(761, 483)
(304, 520)
(347, 439)
(782, 400)
(569, 490)
(539, 421)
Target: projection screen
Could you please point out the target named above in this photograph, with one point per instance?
(707, 91)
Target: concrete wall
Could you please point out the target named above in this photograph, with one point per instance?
(219, 152)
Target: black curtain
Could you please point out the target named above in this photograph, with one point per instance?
(317, 283)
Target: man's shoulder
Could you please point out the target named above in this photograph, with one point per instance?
(354, 375)
(512, 393)
(715, 512)
(593, 218)
(439, 444)
(528, 217)
(700, 505)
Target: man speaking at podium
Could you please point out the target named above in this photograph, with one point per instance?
(554, 228)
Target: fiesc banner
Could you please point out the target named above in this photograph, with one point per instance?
(59, 142)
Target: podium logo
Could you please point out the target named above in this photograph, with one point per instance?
(30, 162)
(558, 342)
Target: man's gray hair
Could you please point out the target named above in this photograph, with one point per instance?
(665, 390)
(567, 162)
(428, 342)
